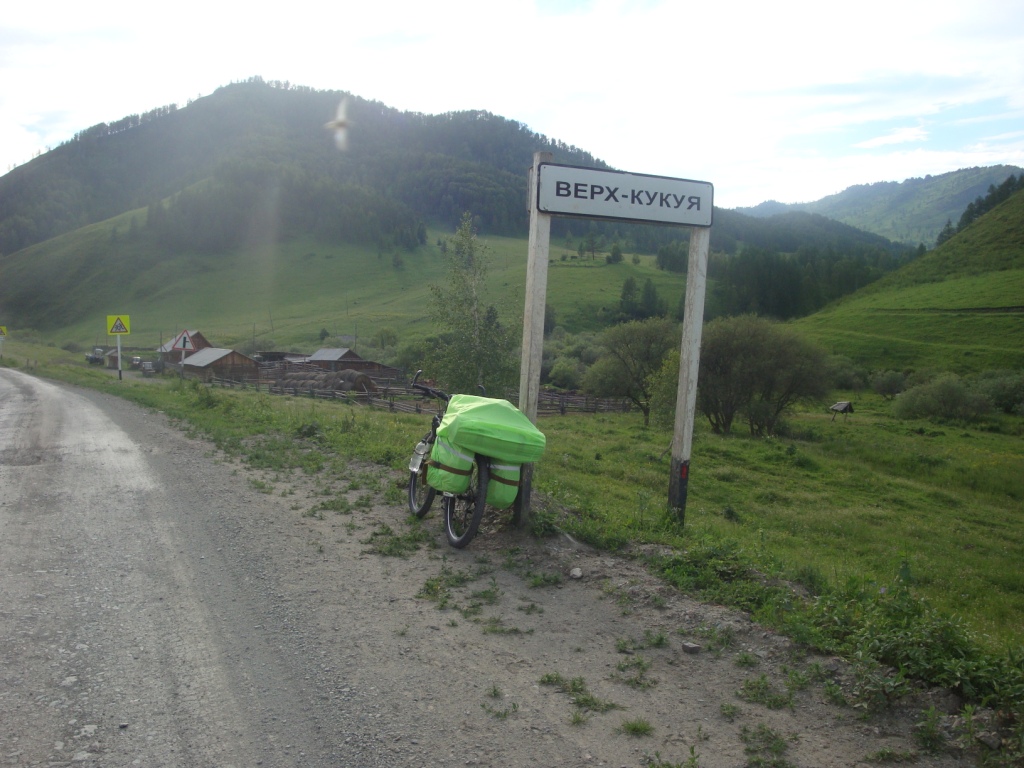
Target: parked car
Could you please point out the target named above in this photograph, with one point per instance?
(95, 357)
(136, 362)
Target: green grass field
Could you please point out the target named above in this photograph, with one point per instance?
(961, 324)
(854, 498)
(285, 294)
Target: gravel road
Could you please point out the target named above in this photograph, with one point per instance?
(161, 605)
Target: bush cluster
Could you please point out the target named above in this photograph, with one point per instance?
(953, 398)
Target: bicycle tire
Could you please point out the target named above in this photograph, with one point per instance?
(421, 495)
(464, 511)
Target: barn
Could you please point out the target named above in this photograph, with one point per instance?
(336, 359)
(221, 363)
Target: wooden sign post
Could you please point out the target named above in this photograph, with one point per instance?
(533, 326)
(598, 194)
(689, 360)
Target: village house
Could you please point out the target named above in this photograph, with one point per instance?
(212, 362)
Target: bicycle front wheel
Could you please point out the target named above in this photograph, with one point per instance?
(464, 511)
(421, 495)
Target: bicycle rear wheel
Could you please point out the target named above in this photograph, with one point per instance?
(421, 495)
(464, 511)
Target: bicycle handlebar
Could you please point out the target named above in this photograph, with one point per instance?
(429, 390)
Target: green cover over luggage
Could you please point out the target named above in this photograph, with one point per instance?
(493, 428)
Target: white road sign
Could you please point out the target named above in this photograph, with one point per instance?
(184, 342)
(573, 191)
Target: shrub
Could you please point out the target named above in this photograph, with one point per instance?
(947, 397)
(566, 373)
(888, 384)
(845, 374)
(1004, 388)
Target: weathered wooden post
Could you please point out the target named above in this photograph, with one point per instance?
(689, 359)
(533, 326)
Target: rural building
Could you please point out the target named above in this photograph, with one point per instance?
(346, 360)
(336, 359)
(169, 354)
(221, 363)
(110, 359)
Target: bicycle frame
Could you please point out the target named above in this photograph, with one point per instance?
(462, 511)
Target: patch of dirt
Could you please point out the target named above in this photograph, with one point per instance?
(548, 652)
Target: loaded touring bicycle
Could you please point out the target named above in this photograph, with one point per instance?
(472, 456)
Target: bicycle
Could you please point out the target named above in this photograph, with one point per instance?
(462, 511)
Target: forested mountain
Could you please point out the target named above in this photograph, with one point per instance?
(252, 163)
(912, 211)
(219, 161)
(437, 166)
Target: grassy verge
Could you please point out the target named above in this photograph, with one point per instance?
(903, 537)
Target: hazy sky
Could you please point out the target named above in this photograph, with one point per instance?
(789, 101)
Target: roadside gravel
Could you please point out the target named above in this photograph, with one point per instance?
(163, 605)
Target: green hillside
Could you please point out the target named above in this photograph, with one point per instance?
(912, 211)
(286, 293)
(958, 308)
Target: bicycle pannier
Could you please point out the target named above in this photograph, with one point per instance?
(504, 484)
(449, 468)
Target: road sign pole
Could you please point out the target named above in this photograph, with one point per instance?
(119, 357)
(533, 326)
(689, 360)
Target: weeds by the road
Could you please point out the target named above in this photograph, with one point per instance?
(888, 602)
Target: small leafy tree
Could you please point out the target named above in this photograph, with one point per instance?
(633, 354)
(475, 347)
(888, 384)
(756, 369)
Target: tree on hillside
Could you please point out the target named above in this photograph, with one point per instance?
(753, 368)
(633, 353)
(475, 347)
(629, 298)
(947, 232)
(995, 196)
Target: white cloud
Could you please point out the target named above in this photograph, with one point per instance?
(898, 136)
(726, 92)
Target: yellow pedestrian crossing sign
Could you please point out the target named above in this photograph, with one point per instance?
(3, 331)
(118, 324)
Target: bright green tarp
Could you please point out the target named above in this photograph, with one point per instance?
(492, 427)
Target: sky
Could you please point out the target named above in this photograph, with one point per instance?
(787, 101)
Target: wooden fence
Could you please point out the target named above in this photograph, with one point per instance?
(399, 397)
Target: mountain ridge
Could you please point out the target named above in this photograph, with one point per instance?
(912, 211)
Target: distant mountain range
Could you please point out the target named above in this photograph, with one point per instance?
(412, 168)
(250, 169)
(912, 211)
